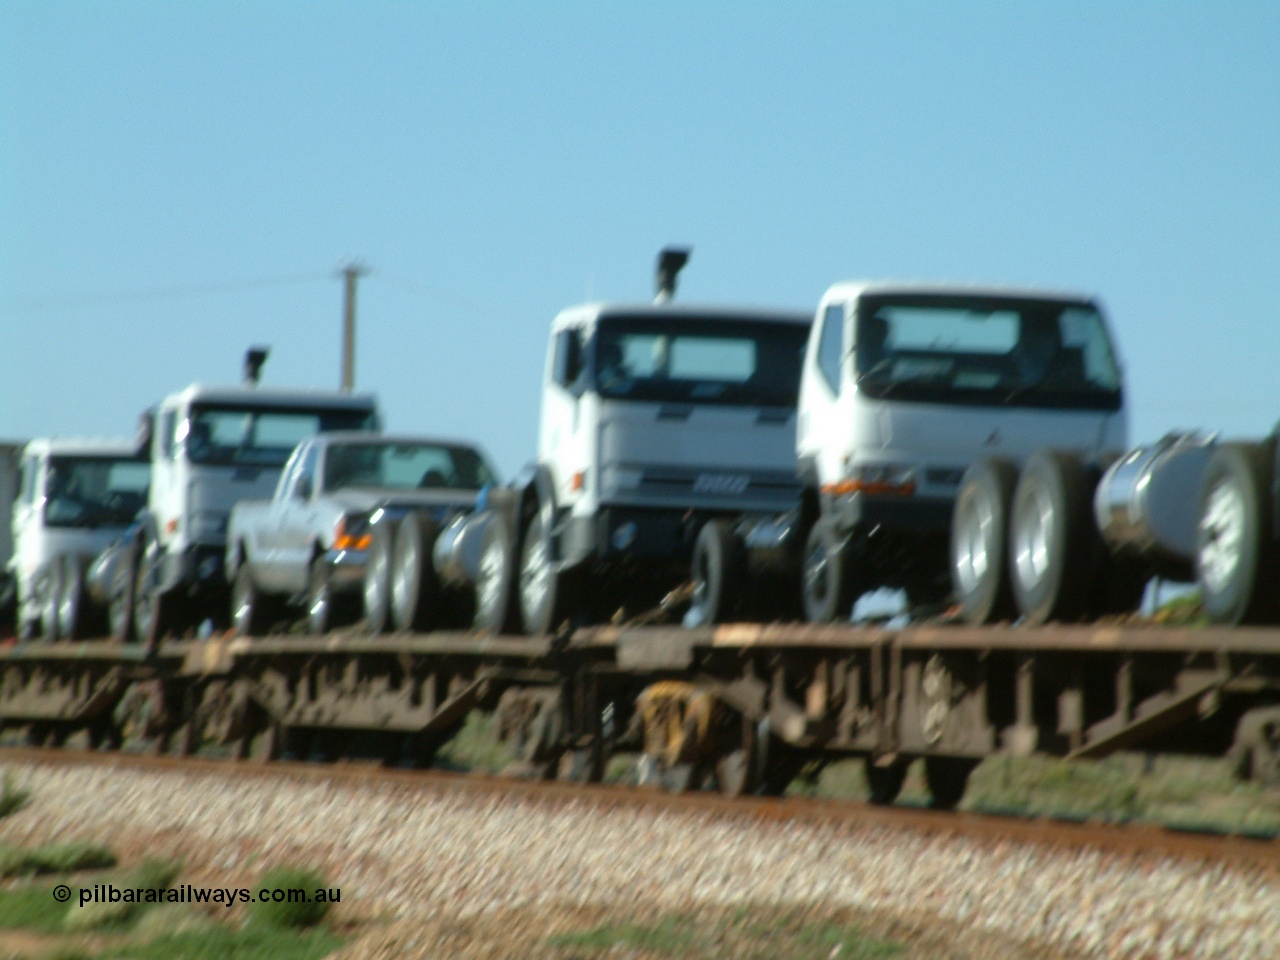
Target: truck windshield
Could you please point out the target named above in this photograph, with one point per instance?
(95, 491)
(711, 361)
(253, 436)
(1034, 353)
(404, 466)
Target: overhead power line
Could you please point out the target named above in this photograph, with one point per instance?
(161, 293)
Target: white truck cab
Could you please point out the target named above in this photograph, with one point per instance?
(75, 496)
(212, 446)
(904, 387)
(657, 418)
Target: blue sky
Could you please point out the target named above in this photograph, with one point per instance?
(179, 180)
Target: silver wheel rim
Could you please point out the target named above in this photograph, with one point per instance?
(491, 573)
(1221, 534)
(243, 598)
(973, 544)
(534, 573)
(374, 595)
(318, 611)
(815, 574)
(1034, 542)
(404, 575)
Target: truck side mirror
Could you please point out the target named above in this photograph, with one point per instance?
(302, 489)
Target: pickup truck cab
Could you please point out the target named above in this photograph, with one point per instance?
(311, 542)
(74, 498)
(905, 387)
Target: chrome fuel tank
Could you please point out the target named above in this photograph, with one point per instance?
(1145, 504)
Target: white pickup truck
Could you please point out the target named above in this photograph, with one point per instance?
(336, 511)
(920, 401)
(74, 498)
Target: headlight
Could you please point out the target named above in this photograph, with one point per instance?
(352, 533)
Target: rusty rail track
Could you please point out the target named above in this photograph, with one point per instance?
(1141, 840)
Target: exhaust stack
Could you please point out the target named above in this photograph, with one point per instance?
(670, 262)
(254, 358)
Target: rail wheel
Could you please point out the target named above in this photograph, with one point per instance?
(1054, 549)
(415, 587)
(719, 574)
(979, 537)
(947, 778)
(1236, 556)
(884, 781)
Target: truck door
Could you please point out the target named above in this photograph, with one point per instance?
(294, 522)
(26, 521)
(564, 443)
(823, 432)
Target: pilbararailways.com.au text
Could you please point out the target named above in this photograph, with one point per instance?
(186, 893)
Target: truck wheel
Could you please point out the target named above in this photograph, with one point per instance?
(1054, 551)
(120, 605)
(829, 586)
(155, 612)
(72, 601)
(719, 574)
(52, 603)
(415, 587)
(494, 607)
(377, 580)
(1236, 559)
(544, 591)
(979, 534)
(320, 618)
(248, 605)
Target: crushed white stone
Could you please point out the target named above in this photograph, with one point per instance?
(412, 852)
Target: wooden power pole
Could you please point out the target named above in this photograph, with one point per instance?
(350, 273)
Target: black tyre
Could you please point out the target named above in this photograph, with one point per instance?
(156, 612)
(72, 603)
(248, 605)
(719, 574)
(1054, 551)
(377, 580)
(120, 605)
(979, 538)
(415, 587)
(543, 595)
(884, 783)
(320, 604)
(495, 585)
(829, 585)
(52, 602)
(947, 778)
(1237, 559)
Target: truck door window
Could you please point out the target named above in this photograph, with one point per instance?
(168, 423)
(568, 358)
(30, 472)
(830, 341)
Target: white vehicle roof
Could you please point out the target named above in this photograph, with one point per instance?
(272, 397)
(591, 312)
(81, 447)
(852, 289)
(383, 440)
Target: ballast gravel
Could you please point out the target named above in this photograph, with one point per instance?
(422, 858)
